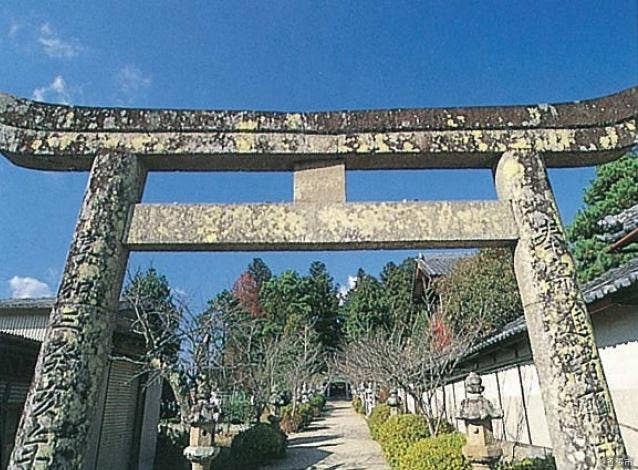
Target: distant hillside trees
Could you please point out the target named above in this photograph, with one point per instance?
(483, 284)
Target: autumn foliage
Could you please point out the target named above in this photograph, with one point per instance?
(246, 291)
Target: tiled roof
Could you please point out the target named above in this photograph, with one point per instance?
(619, 225)
(40, 303)
(37, 304)
(610, 282)
(28, 318)
(437, 265)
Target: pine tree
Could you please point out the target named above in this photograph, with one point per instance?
(614, 189)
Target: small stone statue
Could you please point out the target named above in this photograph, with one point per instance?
(477, 412)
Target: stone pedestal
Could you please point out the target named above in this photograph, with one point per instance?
(62, 399)
(201, 451)
(578, 407)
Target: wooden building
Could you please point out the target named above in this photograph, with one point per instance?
(124, 430)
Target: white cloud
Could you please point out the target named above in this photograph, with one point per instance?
(57, 91)
(54, 46)
(28, 288)
(131, 79)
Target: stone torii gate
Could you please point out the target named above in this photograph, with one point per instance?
(119, 146)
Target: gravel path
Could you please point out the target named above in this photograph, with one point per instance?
(339, 440)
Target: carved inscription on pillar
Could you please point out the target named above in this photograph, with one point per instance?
(578, 406)
(61, 403)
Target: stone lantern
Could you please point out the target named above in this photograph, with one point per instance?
(277, 400)
(477, 412)
(204, 415)
(394, 400)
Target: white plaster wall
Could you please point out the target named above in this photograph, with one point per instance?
(616, 331)
(513, 412)
(534, 403)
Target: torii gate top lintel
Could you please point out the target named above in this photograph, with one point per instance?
(121, 145)
(57, 137)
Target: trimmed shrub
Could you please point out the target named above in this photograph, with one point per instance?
(546, 463)
(257, 445)
(398, 433)
(379, 415)
(290, 422)
(307, 413)
(442, 452)
(357, 404)
(317, 402)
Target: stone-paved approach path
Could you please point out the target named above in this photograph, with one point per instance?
(339, 440)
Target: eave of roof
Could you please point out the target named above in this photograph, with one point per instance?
(438, 265)
(620, 226)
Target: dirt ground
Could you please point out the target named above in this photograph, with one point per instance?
(339, 440)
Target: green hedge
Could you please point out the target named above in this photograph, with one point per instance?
(257, 445)
(442, 452)
(398, 433)
(379, 415)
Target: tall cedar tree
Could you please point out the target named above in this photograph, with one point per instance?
(397, 285)
(614, 189)
(324, 303)
(286, 302)
(365, 308)
(260, 271)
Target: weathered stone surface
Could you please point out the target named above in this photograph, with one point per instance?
(63, 396)
(575, 134)
(579, 410)
(349, 226)
(320, 182)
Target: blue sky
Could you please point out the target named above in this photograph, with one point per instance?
(288, 55)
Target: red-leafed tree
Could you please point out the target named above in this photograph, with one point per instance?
(246, 291)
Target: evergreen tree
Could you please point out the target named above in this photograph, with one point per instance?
(365, 308)
(397, 288)
(614, 189)
(324, 303)
(286, 302)
(260, 271)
